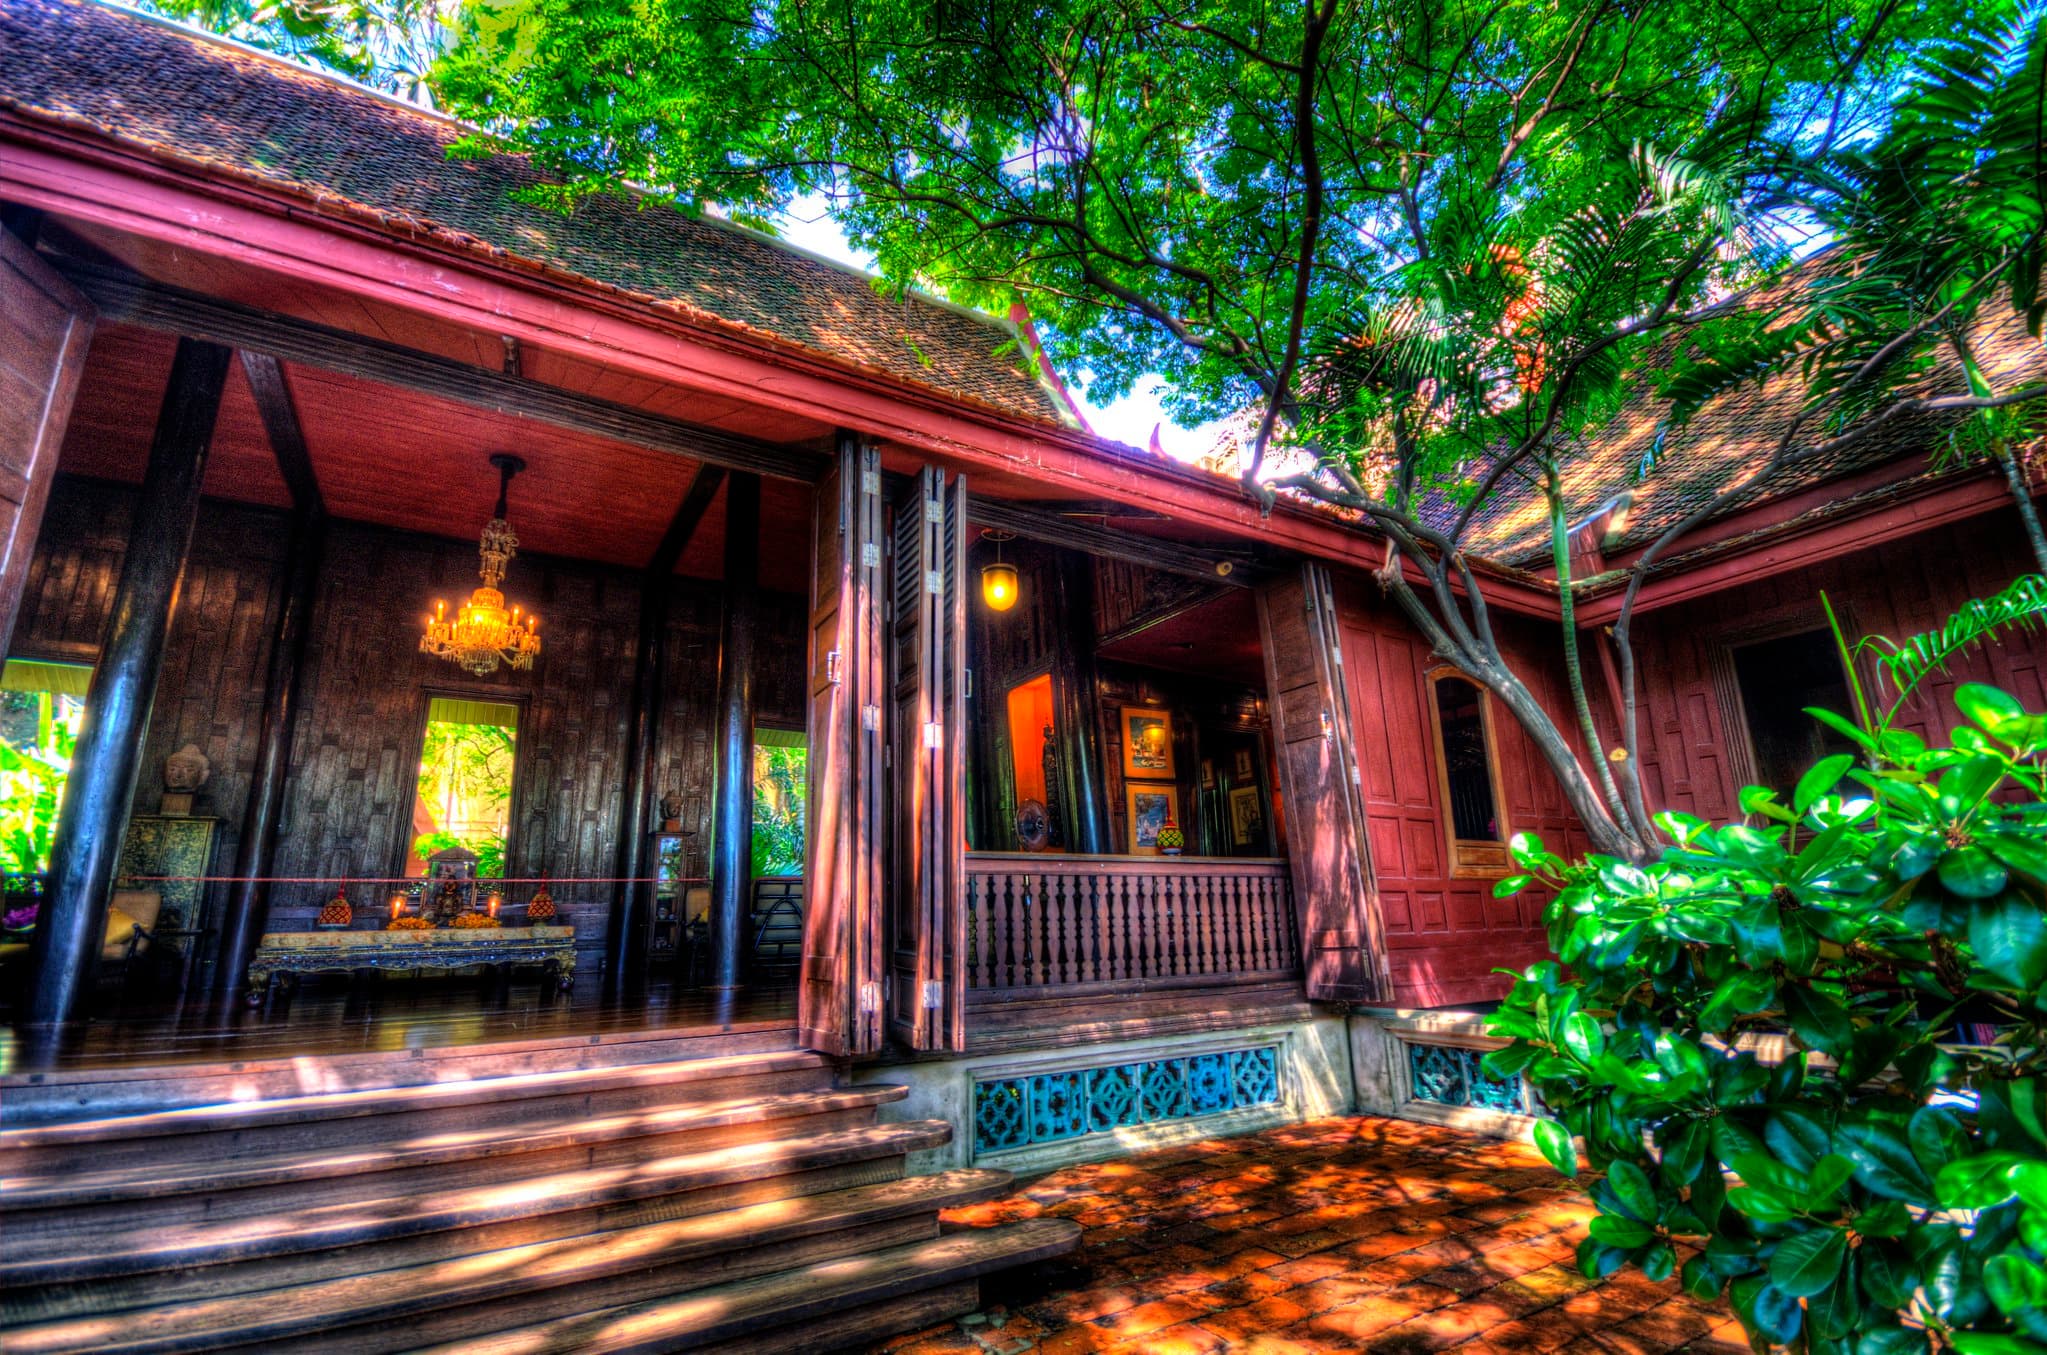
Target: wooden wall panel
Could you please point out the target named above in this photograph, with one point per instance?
(45, 327)
(1694, 746)
(1444, 935)
(348, 802)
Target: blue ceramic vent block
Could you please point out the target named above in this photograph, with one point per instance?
(1451, 1076)
(1013, 1112)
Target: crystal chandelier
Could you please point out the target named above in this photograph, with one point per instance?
(482, 634)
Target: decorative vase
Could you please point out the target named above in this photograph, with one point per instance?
(337, 914)
(1171, 840)
(540, 908)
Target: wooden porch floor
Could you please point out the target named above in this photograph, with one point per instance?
(337, 1016)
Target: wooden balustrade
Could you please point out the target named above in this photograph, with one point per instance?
(1038, 921)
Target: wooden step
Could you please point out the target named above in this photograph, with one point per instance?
(791, 1301)
(100, 1092)
(399, 1309)
(335, 1118)
(525, 1147)
(51, 1246)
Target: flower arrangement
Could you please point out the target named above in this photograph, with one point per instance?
(408, 923)
(19, 919)
(471, 921)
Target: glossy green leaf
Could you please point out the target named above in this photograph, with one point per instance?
(1807, 1262)
(1554, 1142)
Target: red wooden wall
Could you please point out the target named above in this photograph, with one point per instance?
(1445, 935)
(1694, 746)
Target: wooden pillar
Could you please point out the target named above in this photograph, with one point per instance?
(632, 904)
(625, 937)
(1075, 717)
(248, 899)
(732, 808)
(103, 764)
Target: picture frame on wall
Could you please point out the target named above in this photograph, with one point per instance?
(1208, 773)
(1247, 816)
(1148, 805)
(1246, 768)
(1147, 743)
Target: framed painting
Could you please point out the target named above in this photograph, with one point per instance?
(1246, 766)
(1147, 743)
(1247, 816)
(1149, 807)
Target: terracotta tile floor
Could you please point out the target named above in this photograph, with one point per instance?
(1354, 1234)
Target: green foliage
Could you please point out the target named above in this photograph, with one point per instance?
(1883, 1181)
(32, 774)
(489, 849)
(465, 782)
(2019, 606)
(780, 778)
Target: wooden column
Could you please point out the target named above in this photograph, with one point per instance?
(632, 904)
(732, 806)
(248, 899)
(1074, 714)
(103, 764)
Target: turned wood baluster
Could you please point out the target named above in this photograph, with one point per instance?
(1222, 906)
(1010, 954)
(1067, 968)
(1090, 950)
(1118, 888)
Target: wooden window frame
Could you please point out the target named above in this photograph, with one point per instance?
(517, 697)
(1776, 624)
(1470, 859)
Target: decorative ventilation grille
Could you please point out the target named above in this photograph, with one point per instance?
(1014, 1112)
(1450, 1075)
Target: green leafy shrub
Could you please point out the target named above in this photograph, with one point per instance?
(1883, 1187)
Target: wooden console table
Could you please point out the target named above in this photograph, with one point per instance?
(295, 953)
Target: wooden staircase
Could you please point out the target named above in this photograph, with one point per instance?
(727, 1200)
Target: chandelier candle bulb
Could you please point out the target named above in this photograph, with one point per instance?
(484, 633)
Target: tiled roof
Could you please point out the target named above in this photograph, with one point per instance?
(179, 94)
(1730, 438)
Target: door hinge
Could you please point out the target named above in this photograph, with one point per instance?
(934, 995)
(870, 482)
(934, 735)
(870, 717)
(934, 510)
(934, 582)
(870, 555)
(831, 668)
(969, 692)
(870, 998)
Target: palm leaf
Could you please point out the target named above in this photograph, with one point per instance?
(2021, 605)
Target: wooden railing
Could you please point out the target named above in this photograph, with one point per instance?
(1041, 921)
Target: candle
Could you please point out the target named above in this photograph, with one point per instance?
(494, 902)
(397, 906)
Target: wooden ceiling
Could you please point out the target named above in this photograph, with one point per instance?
(417, 463)
(1218, 639)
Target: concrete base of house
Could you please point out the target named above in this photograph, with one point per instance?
(1065, 1094)
(1040, 1110)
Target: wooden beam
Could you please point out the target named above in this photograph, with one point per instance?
(248, 899)
(287, 436)
(696, 501)
(137, 301)
(1055, 528)
(103, 764)
(632, 903)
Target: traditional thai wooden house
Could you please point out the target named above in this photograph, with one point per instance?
(1134, 815)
